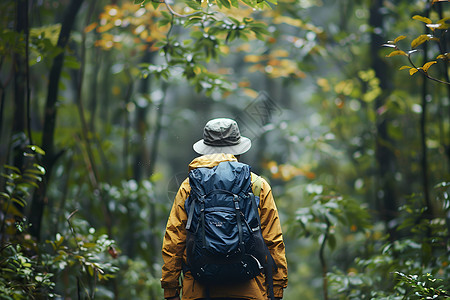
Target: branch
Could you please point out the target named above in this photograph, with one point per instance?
(425, 73)
(177, 14)
(323, 261)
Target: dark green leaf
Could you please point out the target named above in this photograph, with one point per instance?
(235, 3)
(193, 4)
(19, 201)
(225, 3)
(13, 168)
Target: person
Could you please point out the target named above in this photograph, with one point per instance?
(221, 142)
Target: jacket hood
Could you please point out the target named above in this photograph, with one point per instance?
(210, 160)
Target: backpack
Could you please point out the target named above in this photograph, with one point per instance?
(224, 243)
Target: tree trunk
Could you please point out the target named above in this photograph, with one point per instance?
(142, 154)
(385, 160)
(20, 77)
(38, 203)
(423, 132)
(445, 131)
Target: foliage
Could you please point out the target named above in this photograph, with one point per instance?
(30, 271)
(22, 276)
(422, 287)
(86, 256)
(19, 186)
(205, 33)
(416, 265)
(439, 31)
(139, 80)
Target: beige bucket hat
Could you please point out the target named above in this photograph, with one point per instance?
(222, 135)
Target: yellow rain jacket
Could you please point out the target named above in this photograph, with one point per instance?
(174, 246)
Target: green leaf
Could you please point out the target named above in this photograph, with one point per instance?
(193, 4)
(155, 4)
(32, 183)
(4, 195)
(332, 241)
(235, 3)
(19, 201)
(36, 149)
(235, 21)
(192, 21)
(71, 63)
(166, 15)
(13, 168)
(225, 3)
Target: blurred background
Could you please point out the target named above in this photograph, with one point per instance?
(346, 103)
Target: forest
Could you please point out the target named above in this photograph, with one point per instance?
(347, 104)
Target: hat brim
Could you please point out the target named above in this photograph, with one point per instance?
(245, 144)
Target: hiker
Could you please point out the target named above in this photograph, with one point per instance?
(217, 178)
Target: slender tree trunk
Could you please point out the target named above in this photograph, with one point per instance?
(386, 195)
(127, 127)
(323, 261)
(423, 132)
(38, 203)
(158, 128)
(20, 78)
(445, 131)
(140, 169)
(93, 97)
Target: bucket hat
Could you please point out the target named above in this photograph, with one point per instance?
(222, 135)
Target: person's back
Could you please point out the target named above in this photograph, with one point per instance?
(221, 144)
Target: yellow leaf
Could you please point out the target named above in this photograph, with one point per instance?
(288, 20)
(420, 40)
(244, 47)
(444, 23)
(225, 49)
(324, 84)
(105, 28)
(280, 53)
(405, 67)
(274, 62)
(244, 83)
(443, 56)
(399, 38)
(412, 71)
(422, 19)
(250, 93)
(428, 65)
(252, 58)
(434, 26)
(116, 90)
(91, 27)
(397, 52)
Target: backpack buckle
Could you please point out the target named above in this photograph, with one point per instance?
(236, 201)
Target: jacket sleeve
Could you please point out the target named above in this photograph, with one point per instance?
(271, 231)
(174, 243)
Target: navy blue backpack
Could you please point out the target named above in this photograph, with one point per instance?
(224, 243)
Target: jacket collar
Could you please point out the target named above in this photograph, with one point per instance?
(210, 160)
